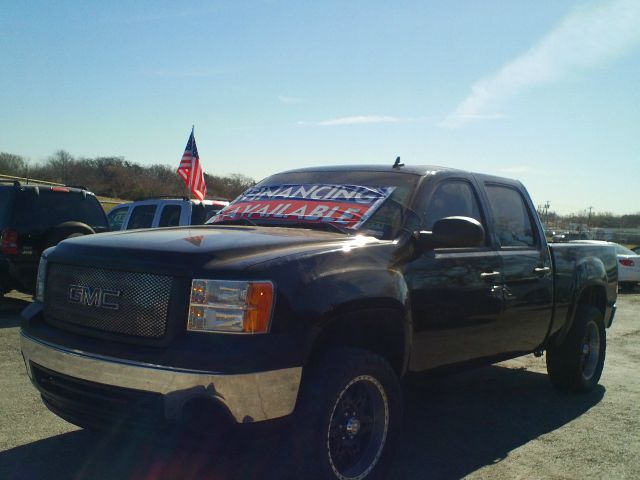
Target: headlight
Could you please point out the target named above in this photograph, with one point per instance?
(230, 306)
(42, 275)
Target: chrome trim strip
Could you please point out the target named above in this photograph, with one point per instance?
(250, 397)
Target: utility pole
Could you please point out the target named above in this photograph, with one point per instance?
(589, 218)
(546, 211)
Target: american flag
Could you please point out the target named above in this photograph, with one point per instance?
(190, 170)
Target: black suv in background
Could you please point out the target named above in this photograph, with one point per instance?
(35, 217)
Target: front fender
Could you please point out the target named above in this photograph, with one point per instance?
(335, 292)
(376, 298)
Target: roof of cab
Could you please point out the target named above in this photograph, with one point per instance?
(420, 170)
(38, 186)
(406, 169)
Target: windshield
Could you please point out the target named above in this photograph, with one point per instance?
(620, 250)
(370, 203)
(116, 217)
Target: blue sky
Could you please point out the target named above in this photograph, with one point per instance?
(547, 92)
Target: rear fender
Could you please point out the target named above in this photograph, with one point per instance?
(590, 287)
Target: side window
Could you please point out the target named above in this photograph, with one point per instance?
(116, 217)
(512, 222)
(141, 217)
(451, 198)
(170, 216)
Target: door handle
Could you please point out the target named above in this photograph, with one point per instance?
(489, 274)
(541, 269)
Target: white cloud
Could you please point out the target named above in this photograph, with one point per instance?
(519, 169)
(586, 38)
(290, 100)
(359, 119)
(180, 73)
(167, 15)
(364, 119)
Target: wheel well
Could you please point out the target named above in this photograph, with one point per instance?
(595, 296)
(379, 330)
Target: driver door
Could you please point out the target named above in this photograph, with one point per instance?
(456, 298)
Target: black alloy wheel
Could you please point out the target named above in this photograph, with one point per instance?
(590, 350)
(576, 363)
(358, 428)
(347, 419)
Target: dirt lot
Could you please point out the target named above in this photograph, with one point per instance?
(501, 422)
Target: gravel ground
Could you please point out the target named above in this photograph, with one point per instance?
(500, 422)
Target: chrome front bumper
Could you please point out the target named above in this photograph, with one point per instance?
(250, 397)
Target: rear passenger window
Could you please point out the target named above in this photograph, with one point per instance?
(49, 208)
(141, 217)
(512, 222)
(170, 216)
(451, 199)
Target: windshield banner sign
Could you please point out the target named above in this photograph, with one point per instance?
(346, 205)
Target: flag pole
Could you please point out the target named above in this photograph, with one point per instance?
(193, 136)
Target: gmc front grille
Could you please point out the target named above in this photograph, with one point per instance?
(127, 303)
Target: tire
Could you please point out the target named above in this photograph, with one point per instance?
(348, 417)
(576, 364)
(66, 230)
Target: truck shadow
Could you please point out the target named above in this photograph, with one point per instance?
(457, 424)
(10, 308)
(453, 427)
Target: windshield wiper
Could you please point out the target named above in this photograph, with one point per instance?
(311, 226)
(235, 221)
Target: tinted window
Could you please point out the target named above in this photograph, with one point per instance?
(141, 217)
(170, 216)
(5, 197)
(116, 217)
(451, 198)
(50, 208)
(512, 223)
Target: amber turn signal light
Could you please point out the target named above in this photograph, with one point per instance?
(259, 304)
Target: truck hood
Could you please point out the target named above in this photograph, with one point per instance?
(187, 250)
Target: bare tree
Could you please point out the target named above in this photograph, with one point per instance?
(60, 163)
(14, 165)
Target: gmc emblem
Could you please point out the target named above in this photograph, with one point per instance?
(94, 297)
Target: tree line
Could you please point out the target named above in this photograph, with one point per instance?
(116, 177)
(119, 178)
(592, 220)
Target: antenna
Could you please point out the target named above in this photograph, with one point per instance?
(398, 164)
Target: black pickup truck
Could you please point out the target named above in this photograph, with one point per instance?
(307, 299)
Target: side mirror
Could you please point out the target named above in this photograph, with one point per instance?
(451, 232)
